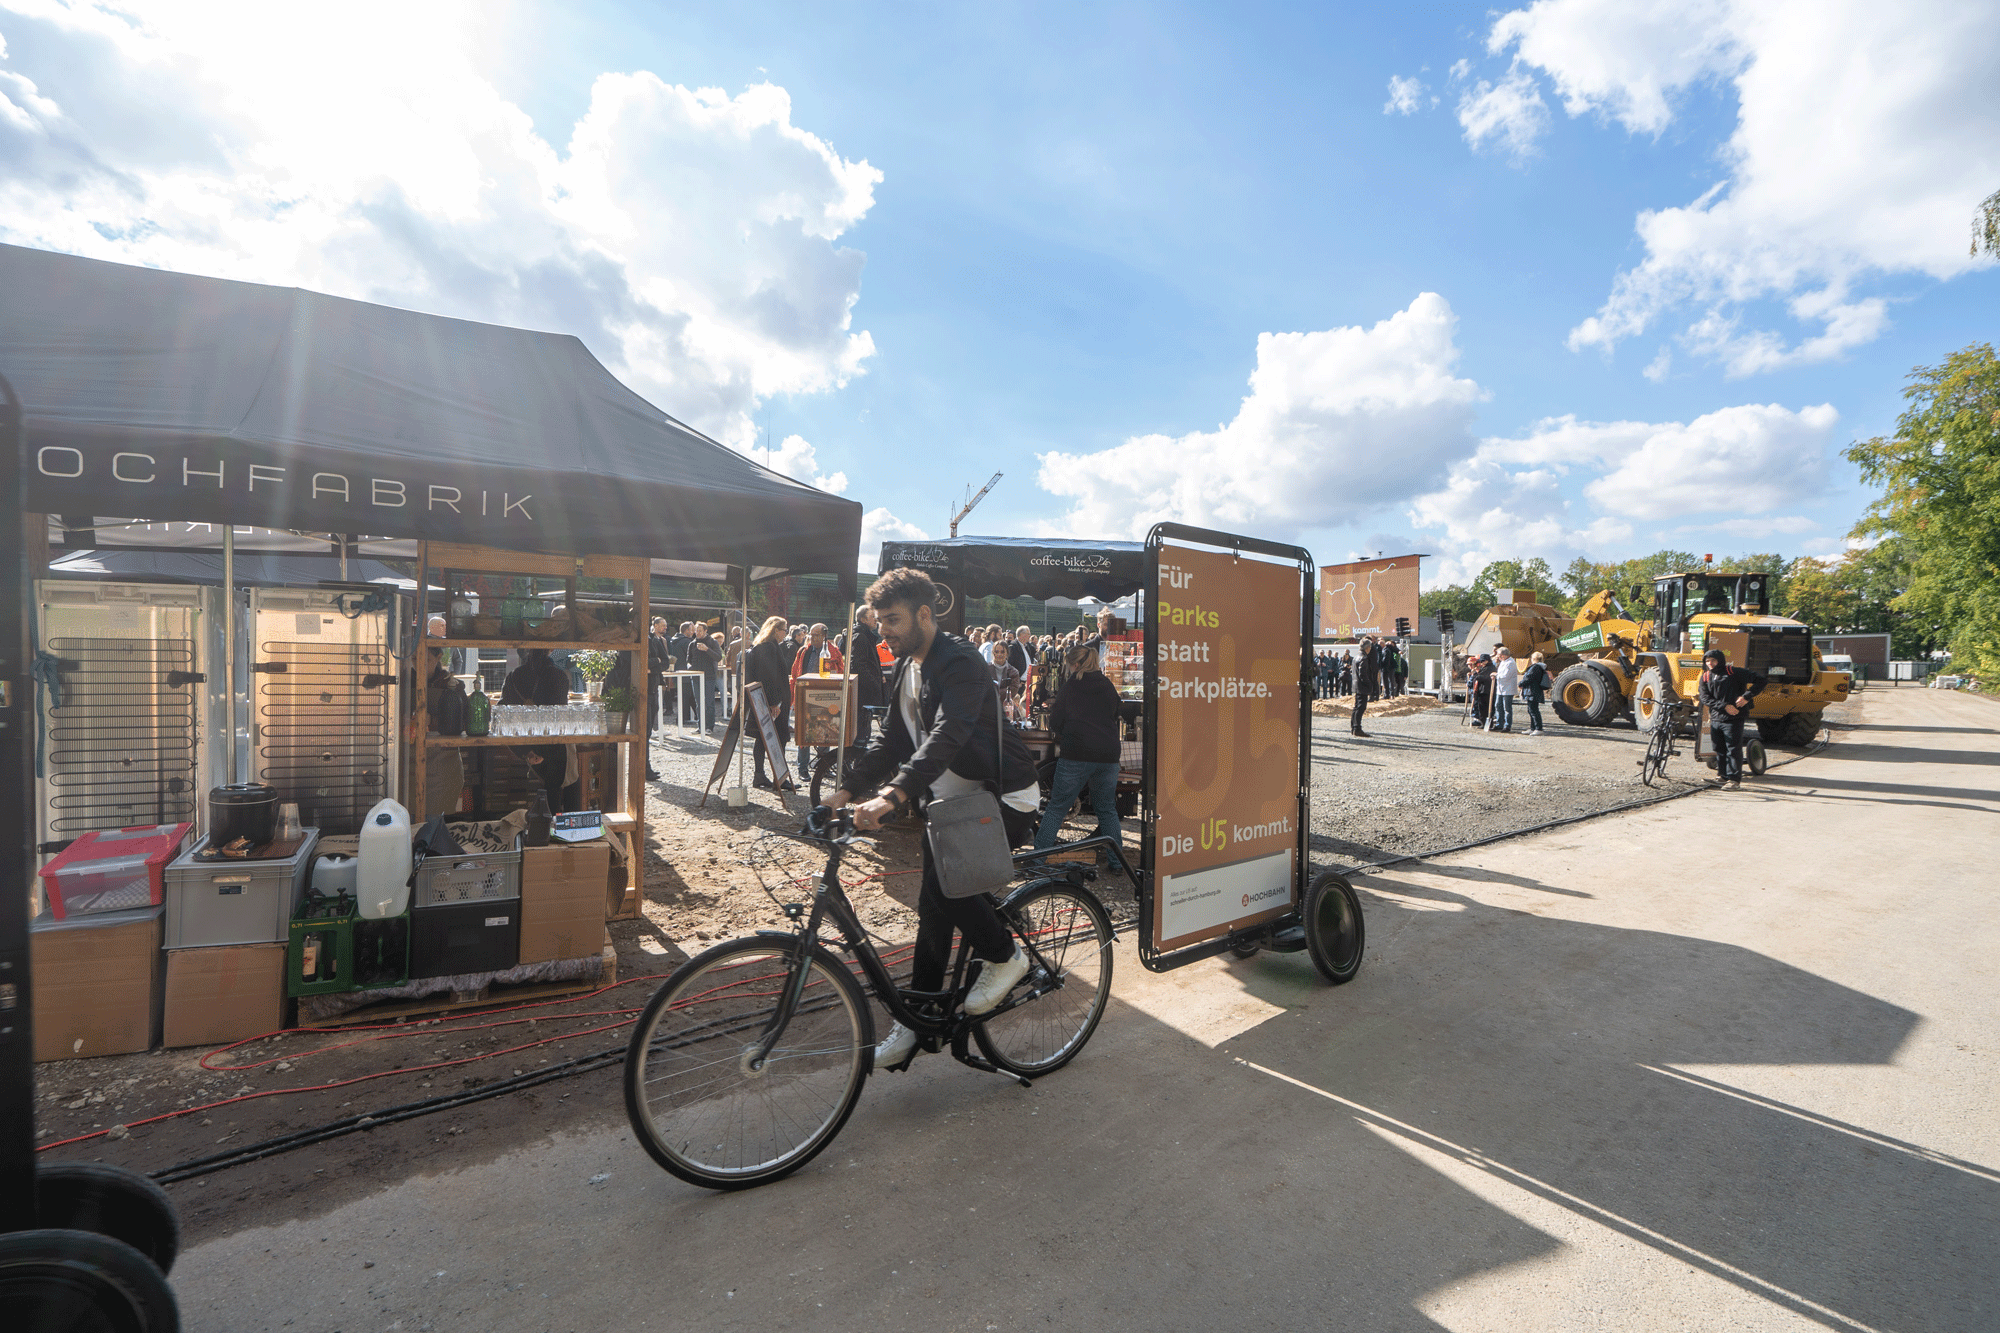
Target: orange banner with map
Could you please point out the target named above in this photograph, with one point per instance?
(1366, 597)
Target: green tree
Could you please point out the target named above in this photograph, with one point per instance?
(1941, 502)
(1461, 601)
(1534, 573)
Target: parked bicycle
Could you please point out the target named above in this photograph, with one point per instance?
(1672, 718)
(751, 1057)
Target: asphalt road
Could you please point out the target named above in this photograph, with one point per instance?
(1727, 1062)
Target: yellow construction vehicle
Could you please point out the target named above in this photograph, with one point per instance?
(1610, 664)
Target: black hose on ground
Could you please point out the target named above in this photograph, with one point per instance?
(251, 1152)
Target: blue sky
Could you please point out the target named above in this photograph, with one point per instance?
(1083, 219)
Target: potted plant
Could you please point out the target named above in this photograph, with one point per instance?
(595, 664)
(617, 703)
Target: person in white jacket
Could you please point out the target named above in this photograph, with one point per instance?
(1506, 684)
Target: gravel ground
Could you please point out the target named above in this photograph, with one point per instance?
(1426, 781)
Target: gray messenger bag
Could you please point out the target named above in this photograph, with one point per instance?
(970, 844)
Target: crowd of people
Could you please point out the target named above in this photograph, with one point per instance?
(1495, 680)
(1376, 666)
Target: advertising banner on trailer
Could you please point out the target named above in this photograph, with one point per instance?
(1227, 638)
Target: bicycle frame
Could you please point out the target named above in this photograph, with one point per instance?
(954, 1026)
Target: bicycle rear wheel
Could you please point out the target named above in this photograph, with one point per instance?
(1656, 754)
(1072, 934)
(697, 1106)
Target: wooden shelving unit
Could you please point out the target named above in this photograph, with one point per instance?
(631, 799)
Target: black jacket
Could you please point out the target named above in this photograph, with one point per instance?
(769, 664)
(1717, 692)
(959, 713)
(1084, 718)
(536, 681)
(864, 663)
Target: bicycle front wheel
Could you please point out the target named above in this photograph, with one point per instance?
(1071, 933)
(696, 1103)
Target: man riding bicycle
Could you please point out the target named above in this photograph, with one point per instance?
(942, 739)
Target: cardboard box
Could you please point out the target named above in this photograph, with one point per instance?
(562, 900)
(97, 982)
(818, 715)
(223, 993)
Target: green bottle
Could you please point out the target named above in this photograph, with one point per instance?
(479, 709)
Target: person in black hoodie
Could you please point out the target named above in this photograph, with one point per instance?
(943, 738)
(1726, 692)
(1084, 718)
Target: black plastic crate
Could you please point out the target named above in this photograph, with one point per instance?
(475, 937)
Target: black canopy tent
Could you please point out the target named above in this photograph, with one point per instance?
(200, 401)
(160, 410)
(1021, 567)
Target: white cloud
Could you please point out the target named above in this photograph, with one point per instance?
(1749, 459)
(1336, 423)
(689, 237)
(1509, 114)
(1508, 501)
(878, 526)
(800, 461)
(1865, 136)
(1406, 97)
(1661, 366)
(1624, 58)
(1756, 529)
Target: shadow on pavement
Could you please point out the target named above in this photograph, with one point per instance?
(1566, 1089)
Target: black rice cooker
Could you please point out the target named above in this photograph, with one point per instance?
(245, 810)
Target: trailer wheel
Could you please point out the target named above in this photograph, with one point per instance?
(1586, 696)
(1335, 935)
(82, 1282)
(111, 1201)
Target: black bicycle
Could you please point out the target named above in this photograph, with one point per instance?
(1671, 716)
(749, 1060)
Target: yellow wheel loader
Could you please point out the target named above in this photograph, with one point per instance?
(1609, 664)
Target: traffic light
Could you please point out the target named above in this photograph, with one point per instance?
(1402, 627)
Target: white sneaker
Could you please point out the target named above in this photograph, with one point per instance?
(995, 980)
(895, 1048)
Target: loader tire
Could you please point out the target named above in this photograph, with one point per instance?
(1586, 696)
(1650, 698)
(1798, 729)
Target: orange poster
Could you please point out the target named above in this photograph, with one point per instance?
(1367, 596)
(1227, 783)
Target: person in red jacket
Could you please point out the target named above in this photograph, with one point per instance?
(815, 654)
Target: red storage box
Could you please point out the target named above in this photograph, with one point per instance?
(112, 870)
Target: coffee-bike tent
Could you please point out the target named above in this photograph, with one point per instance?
(1042, 568)
(157, 410)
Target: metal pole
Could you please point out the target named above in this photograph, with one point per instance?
(229, 651)
(17, 717)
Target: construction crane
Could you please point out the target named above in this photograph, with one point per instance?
(972, 500)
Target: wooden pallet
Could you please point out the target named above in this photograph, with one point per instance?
(443, 1006)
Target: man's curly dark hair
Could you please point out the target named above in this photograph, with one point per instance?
(906, 587)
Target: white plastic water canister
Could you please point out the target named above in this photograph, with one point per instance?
(336, 872)
(382, 880)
